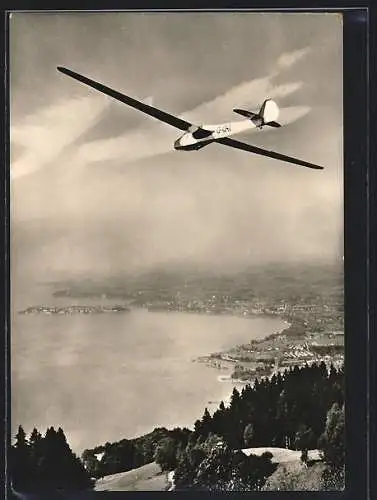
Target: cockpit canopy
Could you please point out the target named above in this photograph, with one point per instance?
(201, 133)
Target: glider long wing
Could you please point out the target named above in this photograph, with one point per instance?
(178, 122)
(227, 141)
(145, 108)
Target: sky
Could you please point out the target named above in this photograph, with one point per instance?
(96, 187)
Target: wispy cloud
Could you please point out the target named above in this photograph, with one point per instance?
(248, 94)
(45, 134)
(136, 145)
(288, 59)
(142, 144)
(293, 113)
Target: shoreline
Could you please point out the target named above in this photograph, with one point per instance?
(292, 345)
(228, 367)
(210, 333)
(227, 378)
(223, 356)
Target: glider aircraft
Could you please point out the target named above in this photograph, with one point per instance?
(195, 136)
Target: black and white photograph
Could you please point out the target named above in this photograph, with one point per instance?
(176, 252)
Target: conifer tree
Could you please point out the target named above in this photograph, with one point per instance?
(248, 435)
(20, 461)
(332, 441)
(54, 465)
(204, 426)
(36, 449)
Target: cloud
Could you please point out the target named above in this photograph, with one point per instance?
(133, 146)
(149, 100)
(146, 143)
(45, 134)
(140, 144)
(288, 59)
(293, 113)
(249, 94)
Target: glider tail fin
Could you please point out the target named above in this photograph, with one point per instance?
(267, 114)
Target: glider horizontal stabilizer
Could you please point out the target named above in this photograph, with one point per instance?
(141, 106)
(251, 116)
(273, 124)
(244, 112)
(227, 141)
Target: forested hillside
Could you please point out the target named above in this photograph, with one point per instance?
(301, 409)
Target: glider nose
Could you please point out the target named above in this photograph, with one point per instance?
(177, 144)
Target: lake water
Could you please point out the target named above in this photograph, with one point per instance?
(111, 376)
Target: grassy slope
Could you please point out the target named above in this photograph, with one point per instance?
(146, 478)
(282, 455)
(294, 476)
(290, 472)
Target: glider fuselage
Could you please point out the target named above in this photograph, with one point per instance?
(205, 134)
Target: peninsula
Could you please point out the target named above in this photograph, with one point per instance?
(75, 309)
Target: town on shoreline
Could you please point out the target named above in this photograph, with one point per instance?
(309, 299)
(310, 305)
(74, 309)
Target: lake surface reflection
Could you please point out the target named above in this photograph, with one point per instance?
(104, 377)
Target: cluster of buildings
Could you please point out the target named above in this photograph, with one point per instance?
(73, 309)
(280, 352)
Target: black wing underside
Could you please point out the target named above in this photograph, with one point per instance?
(141, 106)
(227, 141)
